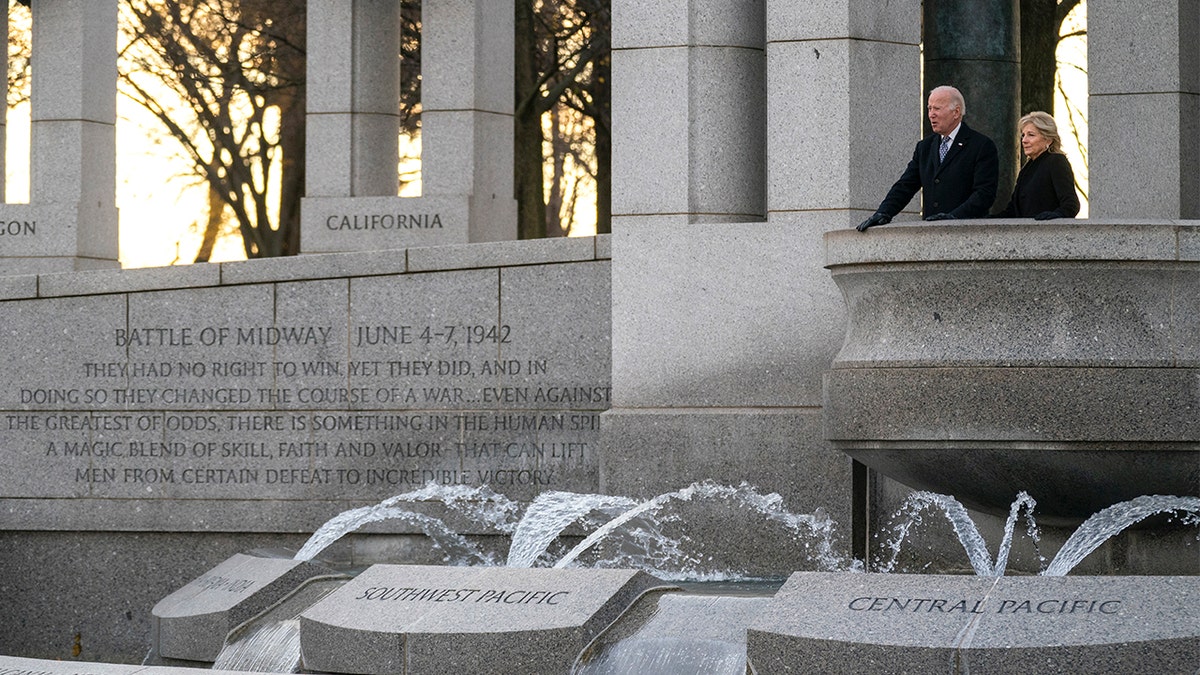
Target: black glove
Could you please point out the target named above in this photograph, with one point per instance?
(1047, 215)
(876, 218)
(939, 216)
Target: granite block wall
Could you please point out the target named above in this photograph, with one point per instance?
(155, 421)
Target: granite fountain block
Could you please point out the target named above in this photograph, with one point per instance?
(872, 623)
(1057, 360)
(191, 623)
(428, 619)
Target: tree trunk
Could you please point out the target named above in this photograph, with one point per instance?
(1039, 42)
(603, 180)
(557, 219)
(212, 228)
(1041, 24)
(291, 188)
(527, 132)
(603, 90)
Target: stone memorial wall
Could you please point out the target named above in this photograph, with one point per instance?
(450, 369)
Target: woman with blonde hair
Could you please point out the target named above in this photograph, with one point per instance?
(1045, 186)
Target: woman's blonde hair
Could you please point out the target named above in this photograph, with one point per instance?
(1045, 125)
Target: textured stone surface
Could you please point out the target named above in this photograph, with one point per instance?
(1067, 314)
(18, 286)
(897, 22)
(728, 99)
(803, 135)
(1010, 240)
(87, 595)
(1140, 174)
(466, 57)
(1136, 173)
(79, 77)
(419, 619)
(65, 236)
(663, 24)
(467, 113)
(678, 22)
(72, 146)
(647, 181)
(330, 37)
(1129, 36)
(327, 266)
(351, 100)
(852, 623)
(327, 134)
(127, 281)
(696, 148)
(191, 623)
(502, 253)
(721, 315)
(857, 57)
(466, 130)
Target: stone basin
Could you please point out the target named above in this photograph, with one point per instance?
(988, 357)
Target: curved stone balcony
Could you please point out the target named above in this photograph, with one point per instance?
(983, 358)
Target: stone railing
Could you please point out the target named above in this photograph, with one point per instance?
(989, 357)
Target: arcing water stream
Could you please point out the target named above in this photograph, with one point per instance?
(628, 533)
(646, 545)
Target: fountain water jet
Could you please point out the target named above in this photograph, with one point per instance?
(639, 526)
(817, 525)
(1106, 523)
(547, 516)
(480, 503)
(966, 530)
(270, 648)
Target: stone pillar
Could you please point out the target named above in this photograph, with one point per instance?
(714, 372)
(974, 45)
(353, 126)
(353, 90)
(688, 112)
(843, 115)
(70, 222)
(467, 110)
(1144, 109)
(844, 111)
(4, 118)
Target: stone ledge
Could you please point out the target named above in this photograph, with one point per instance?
(127, 281)
(18, 287)
(315, 266)
(308, 267)
(501, 254)
(995, 239)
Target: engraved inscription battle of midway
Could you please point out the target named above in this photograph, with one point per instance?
(184, 408)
